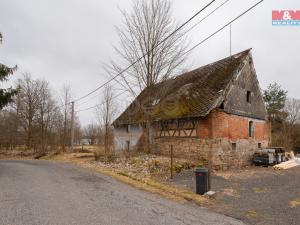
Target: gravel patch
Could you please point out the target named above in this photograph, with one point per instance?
(256, 195)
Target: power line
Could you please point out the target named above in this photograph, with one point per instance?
(204, 18)
(93, 97)
(185, 32)
(214, 33)
(95, 106)
(140, 58)
(201, 42)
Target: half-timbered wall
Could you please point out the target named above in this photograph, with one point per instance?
(176, 128)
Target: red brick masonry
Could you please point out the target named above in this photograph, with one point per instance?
(225, 135)
(219, 124)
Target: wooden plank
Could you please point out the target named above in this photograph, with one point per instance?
(286, 165)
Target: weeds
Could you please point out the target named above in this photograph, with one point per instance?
(259, 190)
(251, 214)
(295, 203)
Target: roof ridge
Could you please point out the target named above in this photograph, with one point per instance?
(218, 61)
(206, 65)
(210, 83)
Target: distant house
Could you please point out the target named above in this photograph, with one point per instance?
(85, 141)
(214, 112)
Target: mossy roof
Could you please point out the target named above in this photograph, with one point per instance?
(192, 94)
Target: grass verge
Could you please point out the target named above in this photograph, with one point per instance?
(168, 191)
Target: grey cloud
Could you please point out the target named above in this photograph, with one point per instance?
(65, 41)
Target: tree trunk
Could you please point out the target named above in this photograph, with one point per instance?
(147, 138)
(106, 144)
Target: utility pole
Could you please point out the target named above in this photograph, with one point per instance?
(72, 127)
(230, 40)
(172, 156)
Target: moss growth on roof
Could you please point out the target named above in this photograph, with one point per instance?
(192, 94)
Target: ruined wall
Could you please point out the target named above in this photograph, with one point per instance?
(225, 136)
(124, 135)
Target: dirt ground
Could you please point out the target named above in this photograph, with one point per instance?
(256, 195)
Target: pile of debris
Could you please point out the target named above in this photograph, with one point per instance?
(287, 165)
(293, 162)
(144, 166)
(269, 156)
(276, 157)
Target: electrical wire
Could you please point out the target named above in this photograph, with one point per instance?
(223, 27)
(185, 32)
(95, 106)
(140, 58)
(204, 40)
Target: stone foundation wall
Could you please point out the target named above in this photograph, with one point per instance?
(224, 155)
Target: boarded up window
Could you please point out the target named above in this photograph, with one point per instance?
(251, 129)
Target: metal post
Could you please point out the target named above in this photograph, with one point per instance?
(171, 149)
(209, 168)
(72, 127)
(230, 40)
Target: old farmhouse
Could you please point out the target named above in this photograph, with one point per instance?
(214, 112)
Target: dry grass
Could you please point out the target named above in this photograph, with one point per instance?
(295, 203)
(144, 182)
(251, 214)
(16, 154)
(260, 190)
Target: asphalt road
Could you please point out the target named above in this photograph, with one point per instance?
(41, 192)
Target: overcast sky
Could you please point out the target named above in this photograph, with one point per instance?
(66, 41)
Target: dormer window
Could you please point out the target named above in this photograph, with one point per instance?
(249, 96)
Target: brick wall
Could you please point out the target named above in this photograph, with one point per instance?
(219, 124)
(217, 133)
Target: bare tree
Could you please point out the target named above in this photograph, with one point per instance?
(8, 129)
(53, 126)
(106, 111)
(35, 111)
(28, 103)
(34, 118)
(66, 99)
(289, 128)
(146, 33)
(292, 107)
(91, 133)
(143, 33)
(47, 113)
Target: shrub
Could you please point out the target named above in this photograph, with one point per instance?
(98, 155)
